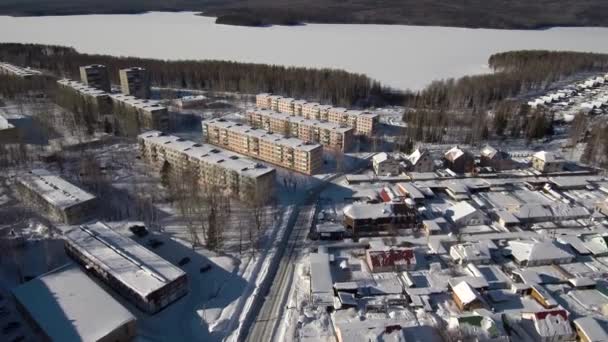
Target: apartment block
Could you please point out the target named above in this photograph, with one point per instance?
(363, 122)
(290, 153)
(60, 200)
(136, 273)
(330, 135)
(95, 76)
(135, 82)
(13, 70)
(150, 113)
(236, 175)
(97, 97)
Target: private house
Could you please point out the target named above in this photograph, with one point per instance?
(420, 161)
(466, 297)
(391, 260)
(547, 162)
(459, 160)
(548, 326)
(535, 253)
(375, 218)
(465, 214)
(588, 329)
(385, 165)
(469, 252)
(496, 159)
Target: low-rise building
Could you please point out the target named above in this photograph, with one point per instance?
(547, 162)
(330, 135)
(420, 161)
(385, 165)
(459, 160)
(13, 70)
(217, 168)
(66, 305)
(549, 326)
(374, 218)
(190, 101)
(589, 329)
(60, 200)
(95, 76)
(136, 273)
(291, 153)
(390, 260)
(535, 253)
(466, 297)
(135, 82)
(469, 252)
(496, 159)
(465, 214)
(321, 284)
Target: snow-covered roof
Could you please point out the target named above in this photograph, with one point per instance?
(469, 252)
(302, 120)
(414, 158)
(321, 285)
(460, 211)
(69, 306)
(411, 190)
(592, 329)
(547, 157)
(465, 292)
(553, 212)
(552, 323)
(18, 71)
(535, 250)
(132, 264)
(54, 189)
(82, 88)
(380, 157)
(4, 124)
(391, 257)
(454, 153)
(488, 151)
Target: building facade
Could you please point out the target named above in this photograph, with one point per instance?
(136, 273)
(149, 114)
(95, 76)
(60, 200)
(135, 82)
(330, 135)
(290, 153)
(215, 167)
(13, 70)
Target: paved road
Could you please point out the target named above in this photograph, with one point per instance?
(266, 323)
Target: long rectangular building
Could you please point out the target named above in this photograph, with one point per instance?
(13, 70)
(290, 153)
(135, 272)
(150, 113)
(235, 174)
(330, 135)
(364, 122)
(59, 199)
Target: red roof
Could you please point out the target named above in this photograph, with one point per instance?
(385, 196)
(392, 257)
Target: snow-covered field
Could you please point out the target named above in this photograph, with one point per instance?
(397, 55)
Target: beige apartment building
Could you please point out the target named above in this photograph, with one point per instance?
(364, 122)
(237, 175)
(290, 153)
(330, 135)
(95, 76)
(135, 82)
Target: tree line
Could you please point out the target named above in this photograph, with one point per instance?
(337, 87)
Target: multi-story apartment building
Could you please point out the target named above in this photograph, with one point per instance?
(13, 70)
(291, 153)
(136, 273)
(60, 200)
(330, 135)
(363, 122)
(150, 113)
(236, 175)
(135, 82)
(95, 76)
(98, 98)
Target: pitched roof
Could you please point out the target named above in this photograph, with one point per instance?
(465, 292)
(460, 211)
(392, 257)
(533, 250)
(454, 153)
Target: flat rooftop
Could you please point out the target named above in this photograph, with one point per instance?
(303, 121)
(69, 306)
(82, 88)
(296, 144)
(54, 189)
(209, 154)
(145, 104)
(134, 265)
(18, 71)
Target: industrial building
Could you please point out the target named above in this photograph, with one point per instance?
(59, 199)
(228, 171)
(95, 76)
(136, 273)
(13, 70)
(363, 122)
(66, 305)
(135, 82)
(331, 135)
(290, 153)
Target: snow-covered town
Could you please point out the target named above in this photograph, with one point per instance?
(130, 212)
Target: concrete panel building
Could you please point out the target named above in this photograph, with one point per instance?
(214, 166)
(290, 153)
(133, 271)
(135, 82)
(95, 76)
(60, 200)
(13, 70)
(150, 114)
(66, 305)
(330, 135)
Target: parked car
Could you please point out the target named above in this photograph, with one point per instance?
(184, 261)
(155, 243)
(139, 230)
(206, 268)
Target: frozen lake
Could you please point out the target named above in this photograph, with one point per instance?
(398, 56)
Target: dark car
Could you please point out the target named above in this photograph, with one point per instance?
(154, 243)
(139, 230)
(10, 327)
(206, 268)
(184, 261)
